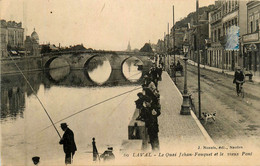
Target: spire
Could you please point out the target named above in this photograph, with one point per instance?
(128, 47)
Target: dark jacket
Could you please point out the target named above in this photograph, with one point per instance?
(139, 103)
(151, 121)
(239, 76)
(68, 141)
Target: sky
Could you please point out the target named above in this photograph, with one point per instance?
(98, 24)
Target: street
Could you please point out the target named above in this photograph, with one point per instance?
(237, 118)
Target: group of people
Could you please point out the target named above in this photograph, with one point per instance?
(148, 104)
(69, 146)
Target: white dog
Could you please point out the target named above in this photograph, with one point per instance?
(208, 116)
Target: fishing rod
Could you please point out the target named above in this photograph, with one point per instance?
(93, 106)
(35, 94)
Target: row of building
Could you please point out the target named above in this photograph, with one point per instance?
(12, 40)
(228, 34)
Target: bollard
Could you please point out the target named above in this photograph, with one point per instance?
(95, 151)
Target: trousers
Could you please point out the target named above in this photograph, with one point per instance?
(69, 157)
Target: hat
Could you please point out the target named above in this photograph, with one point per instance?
(140, 94)
(36, 160)
(110, 148)
(63, 125)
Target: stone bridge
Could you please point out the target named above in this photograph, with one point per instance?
(79, 60)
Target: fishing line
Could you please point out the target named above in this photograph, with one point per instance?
(35, 94)
(118, 104)
(91, 107)
(94, 106)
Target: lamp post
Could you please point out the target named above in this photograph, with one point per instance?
(173, 43)
(185, 107)
(198, 54)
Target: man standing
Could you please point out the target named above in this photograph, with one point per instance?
(151, 122)
(239, 78)
(68, 142)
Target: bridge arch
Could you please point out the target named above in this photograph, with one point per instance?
(49, 61)
(86, 68)
(138, 62)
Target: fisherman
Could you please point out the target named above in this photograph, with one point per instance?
(151, 122)
(68, 142)
(108, 154)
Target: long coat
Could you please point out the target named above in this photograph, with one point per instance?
(68, 142)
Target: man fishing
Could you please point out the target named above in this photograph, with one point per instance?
(68, 142)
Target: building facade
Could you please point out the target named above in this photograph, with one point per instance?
(31, 43)
(227, 15)
(251, 41)
(12, 36)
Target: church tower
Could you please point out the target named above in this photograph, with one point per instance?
(128, 47)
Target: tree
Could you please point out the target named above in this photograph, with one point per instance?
(146, 48)
(45, 49)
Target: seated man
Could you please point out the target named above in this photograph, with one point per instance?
(108, 154)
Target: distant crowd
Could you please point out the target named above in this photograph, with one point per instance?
(148, 103)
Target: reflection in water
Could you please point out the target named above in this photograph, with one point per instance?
(99, 69)
(131, 69)
(59, 74)
(64, 97)
(12, 102)
(14, 90)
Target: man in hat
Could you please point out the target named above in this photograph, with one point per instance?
(239, 78)
(151, 122)
(68, 142)
(108, 154)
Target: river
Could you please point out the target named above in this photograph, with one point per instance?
(25, 127)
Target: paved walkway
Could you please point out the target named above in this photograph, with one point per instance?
(183, 131)
(255, 78)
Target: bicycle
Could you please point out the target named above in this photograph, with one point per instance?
(240, 88)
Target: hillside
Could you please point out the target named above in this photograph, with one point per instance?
(192, 16)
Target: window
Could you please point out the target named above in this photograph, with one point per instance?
(215, 35)
(256, 25)
(229, 5)
(226, 8)
(219, 33)
(224, 30)
(251, 27)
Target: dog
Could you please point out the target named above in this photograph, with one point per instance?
(208, 116)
